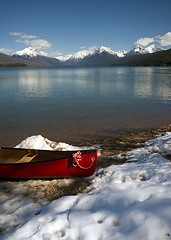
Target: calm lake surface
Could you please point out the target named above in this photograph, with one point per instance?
(72, 104)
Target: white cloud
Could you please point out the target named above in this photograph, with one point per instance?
(27, 40)
(35, 43)
(165, 40)
(5, 50)
(39, 44)
(28, 36)
(144, 41)
(22, 35)
(83, 47)
(15, 33)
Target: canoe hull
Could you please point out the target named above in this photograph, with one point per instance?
(56, 168)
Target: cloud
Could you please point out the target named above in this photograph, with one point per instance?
(28, 36)
(15, 33)
(40, 44)
(36, 43)
(83, 47)
(165, 40)
(144, 41)
(22, 35)
(26, 41)
(31, 40)
(5, 50)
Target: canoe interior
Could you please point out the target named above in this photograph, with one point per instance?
(18, 155)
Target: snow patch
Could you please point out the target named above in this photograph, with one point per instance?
(138, 49)
(34, 142)
(41, 143)
(126, 202)
(30, 52)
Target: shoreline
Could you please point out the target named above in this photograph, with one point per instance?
(76, 135)
(127, 191)
(125, 142)
(49, 190)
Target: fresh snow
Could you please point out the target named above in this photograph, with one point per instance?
(84, 53)
(41, 143)
(125, 202)
(81, 54)
(104, 49)
(153, 48)
(31, 52)
(78, 56)
(121, 53)
(64, 58)
(138, 49)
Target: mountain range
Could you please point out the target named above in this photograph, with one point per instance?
(101, 56)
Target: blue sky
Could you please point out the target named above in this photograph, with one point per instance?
(61, 27)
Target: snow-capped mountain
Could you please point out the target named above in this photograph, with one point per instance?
(36, 58)
(101, 56)
(78, 56)
(29, 53)
(104, 55)
(81, 54)
(64, 58)
(140, 50)
(103, 49)
(137, 50)
(84, 55)
(154, 48)
(121, 53)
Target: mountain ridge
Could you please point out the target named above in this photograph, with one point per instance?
(102, 56)
(35, 57)
(29, 52)
(160, 58)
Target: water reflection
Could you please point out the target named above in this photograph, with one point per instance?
(143, 83)
(164, 90)
(34, 83)
(64, 103)
(152, 82)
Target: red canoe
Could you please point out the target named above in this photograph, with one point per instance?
(18, 163)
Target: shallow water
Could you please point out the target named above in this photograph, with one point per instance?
(72, 104)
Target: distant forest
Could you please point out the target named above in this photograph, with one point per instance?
(162, 58)
(13, 65)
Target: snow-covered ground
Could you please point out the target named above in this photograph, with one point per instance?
(125, 202)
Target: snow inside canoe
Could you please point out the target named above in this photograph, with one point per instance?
(19, 163)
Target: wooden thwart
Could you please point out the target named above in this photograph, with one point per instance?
(27, 158)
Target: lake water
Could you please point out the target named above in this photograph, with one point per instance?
(72, 104)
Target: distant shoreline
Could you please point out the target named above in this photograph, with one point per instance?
(160, 58)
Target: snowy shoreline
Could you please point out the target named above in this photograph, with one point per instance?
(127, 201)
